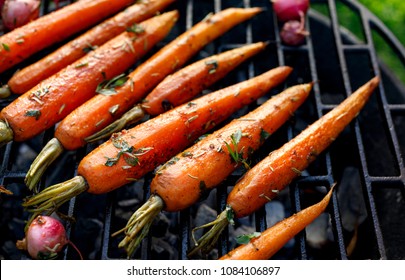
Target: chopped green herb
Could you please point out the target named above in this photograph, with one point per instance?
(245, 238)
(80, 65)
(89, 48)
(129, 153)
(213, 64)
(5, 47)
(236, 155)
(107, 87)
(33, 113)
(136, 29)
(113, 109)
(264, 135)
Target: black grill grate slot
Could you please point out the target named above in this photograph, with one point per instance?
(368, 158)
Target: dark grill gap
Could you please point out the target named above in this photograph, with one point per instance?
(367, 157)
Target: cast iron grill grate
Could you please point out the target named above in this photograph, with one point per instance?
(367, 160)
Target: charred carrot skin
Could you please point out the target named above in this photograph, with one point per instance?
(169, 133)
(207, 163)
(54, 98)
(277, 170)
(28, 77)
(148, 75)
(131, 154)
(274, 238)
(183, 85)
(22, 42)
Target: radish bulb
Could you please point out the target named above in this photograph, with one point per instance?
(289, 9)
(1, 4)
(45, 238)
(293, 32)
(16, 13)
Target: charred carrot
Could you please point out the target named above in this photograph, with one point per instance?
(131, 154)
(181, 181)
(149, 74)
(274, 238)
(79, 127)
(183, 86)
(179, 88)
(54, 27)
(28, 77)
(54, 98)
(262, 183)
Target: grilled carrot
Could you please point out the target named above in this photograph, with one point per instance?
(183, 85)
(28, 77)
(131, 154)
(262, 183)
(149, 74)
(54, 98)
(80, 127)
(181, 181)
(21, 43)
(274, 238)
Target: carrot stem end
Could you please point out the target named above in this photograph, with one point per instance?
(52, 150)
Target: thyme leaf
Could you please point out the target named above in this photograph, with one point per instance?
(237, 156)
(5, 47)
(130, 154)
(107, 87)
(33, 113)
(245, 238)
(213, 64)
(136, 29)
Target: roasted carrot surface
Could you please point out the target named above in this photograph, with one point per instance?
(182, 181)
(179, 88)
(148, 75)
(21, 43)
(28, 77)
(54, 98)
(132, 153)
(274, 238)
(183, 86)
(262, 183)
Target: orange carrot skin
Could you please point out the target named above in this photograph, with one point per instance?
(278, 169)
(60, 94)
(146, 76)
(207, 163)
(28, 77)
(274, 238)
(54, 27)
(169, 133)
(179, 88)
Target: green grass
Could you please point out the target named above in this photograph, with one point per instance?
(390, 12)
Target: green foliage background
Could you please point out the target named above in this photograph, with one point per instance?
(390, 12)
